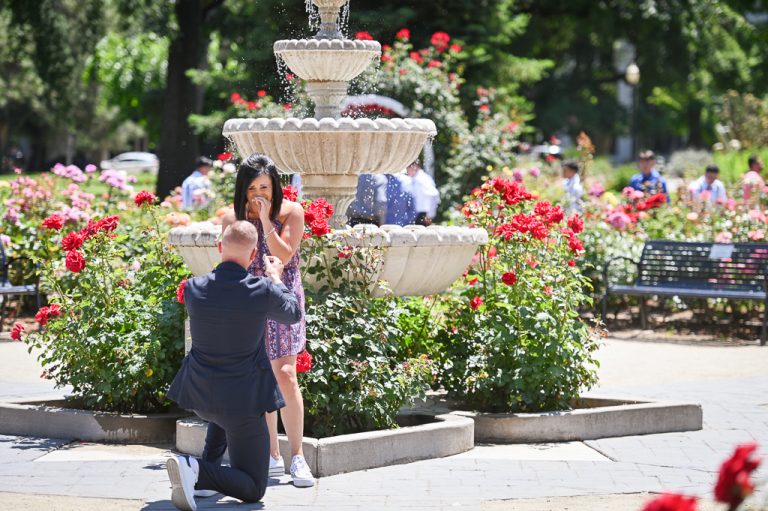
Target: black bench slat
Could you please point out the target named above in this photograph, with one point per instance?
(687, 292)
(30, 289)
(734, 271)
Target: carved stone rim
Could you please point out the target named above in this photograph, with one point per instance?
(327, 45)
(345, 124)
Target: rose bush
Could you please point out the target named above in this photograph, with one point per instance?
(358, 380)
(114, 329)
(512, 339)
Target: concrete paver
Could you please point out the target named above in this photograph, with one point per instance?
(616, 473)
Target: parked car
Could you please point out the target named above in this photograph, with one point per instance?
(132, 162)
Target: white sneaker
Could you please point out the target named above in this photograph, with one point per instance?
(204, 494)
(183, 472)
(300, 473)
(276, 467)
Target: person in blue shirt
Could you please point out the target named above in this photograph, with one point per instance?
(196, 182)
(400, 206)
(649, 180)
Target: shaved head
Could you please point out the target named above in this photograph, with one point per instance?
(238, 242)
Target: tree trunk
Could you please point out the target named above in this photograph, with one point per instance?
(178, 144)
(695, 135)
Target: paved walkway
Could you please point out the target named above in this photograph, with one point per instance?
(617, 474)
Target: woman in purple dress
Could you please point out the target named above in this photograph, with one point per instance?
(280, 224)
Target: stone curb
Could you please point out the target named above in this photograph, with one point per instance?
(605, 418)
(47, 419)
(448, 435)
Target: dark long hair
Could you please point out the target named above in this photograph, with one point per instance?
(254, 166)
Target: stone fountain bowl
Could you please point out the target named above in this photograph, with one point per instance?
(327, 60)
(333, 146)
(416, 260)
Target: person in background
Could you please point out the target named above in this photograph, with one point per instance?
(425, 194)
(709, 187)
(400, 210)
(194, 187)
(370, 203)
(752, 184)
(649, 179)
(572, 187)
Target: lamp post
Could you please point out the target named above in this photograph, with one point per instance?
(632, 77)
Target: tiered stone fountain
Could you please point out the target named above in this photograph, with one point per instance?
(330, 152)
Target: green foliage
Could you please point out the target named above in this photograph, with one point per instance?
(359, 379)
(733, 165)
(119, 340)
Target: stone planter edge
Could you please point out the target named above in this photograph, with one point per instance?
(448, 435)
(46, 419)
(617, 417)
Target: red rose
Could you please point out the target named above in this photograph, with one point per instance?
(225, 155)
(144, 197)
(46, 313)
(733, 483)
(576, 223)
(416, 57)
(345, 253)
(53, 222)
(571, 262)
(671, 502)
(235, 97)
(261, 93)
(303, 362)
(75, 261)
(485, 108)
(364, 36)
(476, 302)
(455, 48)
(251, 105)
(320, 227)
(180, 291)
(72, 241)
(440, 41)
(16, 331)
(107, 224)
(290, 193)
(403, 34)
(509, 278)
(434, 64)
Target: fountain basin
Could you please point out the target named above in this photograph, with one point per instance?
(327, 60)
(415, 260)
(333, 146)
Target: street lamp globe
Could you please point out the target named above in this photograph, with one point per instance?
(632, 74)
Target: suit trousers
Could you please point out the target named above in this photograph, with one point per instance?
(248, 441)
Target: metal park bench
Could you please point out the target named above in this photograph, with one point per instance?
(737, 271)
(9, 289)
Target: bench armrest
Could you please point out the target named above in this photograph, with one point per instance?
(607, 266)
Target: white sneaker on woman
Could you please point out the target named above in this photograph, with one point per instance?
(300, 473)
(276, 467)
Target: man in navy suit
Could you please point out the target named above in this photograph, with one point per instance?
(226, 378)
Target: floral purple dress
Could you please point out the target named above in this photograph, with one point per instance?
(282, 340)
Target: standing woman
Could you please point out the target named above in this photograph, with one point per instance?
(280, 224)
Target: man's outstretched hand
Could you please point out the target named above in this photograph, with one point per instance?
(273, 268)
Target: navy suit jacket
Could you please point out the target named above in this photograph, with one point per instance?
(227, 371)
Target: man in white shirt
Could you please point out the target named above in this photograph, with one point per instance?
(194, 187)
(572, 187)
(709, 187)
(425, 194)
